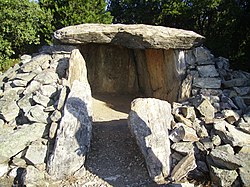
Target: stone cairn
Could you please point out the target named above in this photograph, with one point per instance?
(46, 124)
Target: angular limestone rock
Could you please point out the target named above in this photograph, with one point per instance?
(14, 141)
(183, 133)
(47, 77)
(230, 134)
(131, 36)
(73, 136)
(205, 108)
(207, 71)
(36, 152)
(213, 83)
(149, 121)
(9, 111)
(222, 177)
(223, 159)
(186, 165)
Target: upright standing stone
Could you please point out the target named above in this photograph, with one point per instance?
(149, 121)
(74, 133)
(77, 67)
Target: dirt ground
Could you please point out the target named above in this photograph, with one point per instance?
(114, 156)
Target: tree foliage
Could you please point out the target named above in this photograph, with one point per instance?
(28, 24)
(224, 23)
(23, 26)
(73, 12)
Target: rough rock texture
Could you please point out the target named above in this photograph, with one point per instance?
(149, 121)
(74, 133)
(131, 36)
(77, 67)
(14, 141)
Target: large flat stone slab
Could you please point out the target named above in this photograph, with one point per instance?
(132, 36)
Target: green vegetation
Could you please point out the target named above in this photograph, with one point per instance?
(23, 26)
(224, 23)
(26, 25)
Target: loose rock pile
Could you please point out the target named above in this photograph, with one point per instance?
(210, 133)
(32, 98)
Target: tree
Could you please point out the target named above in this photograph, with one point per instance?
(23, 27)
(72, 12)
(224, 23)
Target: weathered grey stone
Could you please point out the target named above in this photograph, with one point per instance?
(74, 133)
(230, 116)
(240, 103)
(149, 121)
(25, 103)
(25, 58)
(186, 87)
(228, 101)
(14, 141)
(131, 36)
(246, 116)
(4, 166)
(202, 54)
(19, 83)
(1, 123)
(62, 97)
(36, 152)
(207, 71)
(222, 177)
(230, 134)
(222, 63)
(47, 77)
(35, 62)
(183, 120)
(52, 130)
(183, 133)
(183, 147)
(244, 126)
(61, 64)
(242, 90)
(181, 170)
(37, 114)
(244, 172)
(18, 162)
(77, 67)
(236, 82)
(188, 112)
(205, 108)
(200, 129)
(34, 176)
(25, 76)
(216, 140)
(9, 110)
(48, 90)
(56, 116)
(41, 99)
(213, 83)
(32, 87)
(207, 143)
(224, 159)
(244, 176)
